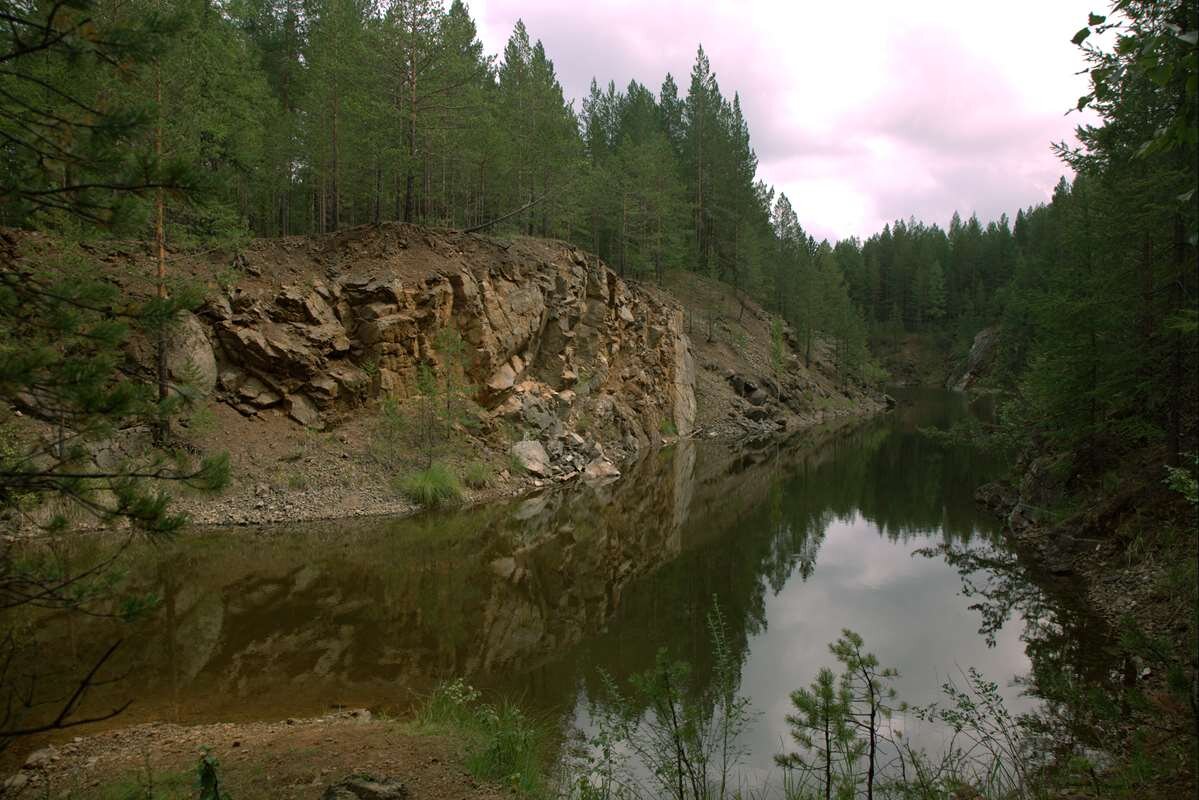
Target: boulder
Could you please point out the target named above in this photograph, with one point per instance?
(599, 469)
(190, 358)
(16, 784)
(366, 787)
(757, 413)
(295, 304)
(40, 759)
(532, 457)
(503, 379)
(504, 567)
(303, 410)
(353, 382)
(323, 389)
(230, 379)
(257, 393)
(770, 385)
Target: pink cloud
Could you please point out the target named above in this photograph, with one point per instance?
(861, 113)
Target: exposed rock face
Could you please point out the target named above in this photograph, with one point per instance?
(551, 335)
(982, 353)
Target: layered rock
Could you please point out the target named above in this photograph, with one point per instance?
(552, 337)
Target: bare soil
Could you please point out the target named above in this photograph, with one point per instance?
(287, 760)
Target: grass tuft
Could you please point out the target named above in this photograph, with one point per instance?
(503, 743)
(477, 475)
(434, 487)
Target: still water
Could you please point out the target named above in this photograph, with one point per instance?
(534, 599)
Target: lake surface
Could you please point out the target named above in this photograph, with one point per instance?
(535, 598)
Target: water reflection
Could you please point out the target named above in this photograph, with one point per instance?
(795, 541)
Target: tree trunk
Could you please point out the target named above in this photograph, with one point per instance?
(335, 217)
(162, 425)
(1177, 348)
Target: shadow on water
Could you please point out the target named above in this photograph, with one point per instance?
(534, 598)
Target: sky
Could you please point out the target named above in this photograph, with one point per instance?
(863, 112)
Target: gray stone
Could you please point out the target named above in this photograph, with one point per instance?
(757, 413)
(323, 389)
(532, 456)
(758, 397)
(190, 358)
(40, 759)
(302, 410)
(503, 378)
(600, 469)
(504, 567)
(231, 379)
(366, 787)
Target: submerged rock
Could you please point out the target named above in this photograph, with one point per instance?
(366, 787)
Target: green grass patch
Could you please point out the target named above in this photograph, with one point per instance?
(503, 744)
(145, 784)
(477, 475)
(434, 487)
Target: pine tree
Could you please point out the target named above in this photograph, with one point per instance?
(819, 723)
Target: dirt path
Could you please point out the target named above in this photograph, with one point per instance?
(290, 759)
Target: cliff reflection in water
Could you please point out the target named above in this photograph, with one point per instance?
(529, 598)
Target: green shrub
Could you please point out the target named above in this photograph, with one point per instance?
(503, 743)
(477, 475)
(433, 487)
(453, 703)
(509, 749)
(667, 428)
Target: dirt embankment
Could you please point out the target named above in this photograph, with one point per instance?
(292, 759)
(564, 369)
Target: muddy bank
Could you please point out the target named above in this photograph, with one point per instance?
(292, 759)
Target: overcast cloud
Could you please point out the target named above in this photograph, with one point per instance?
(862, 113)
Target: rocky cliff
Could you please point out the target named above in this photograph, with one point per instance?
(978, 361)
(317, 328)
(573, 370)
